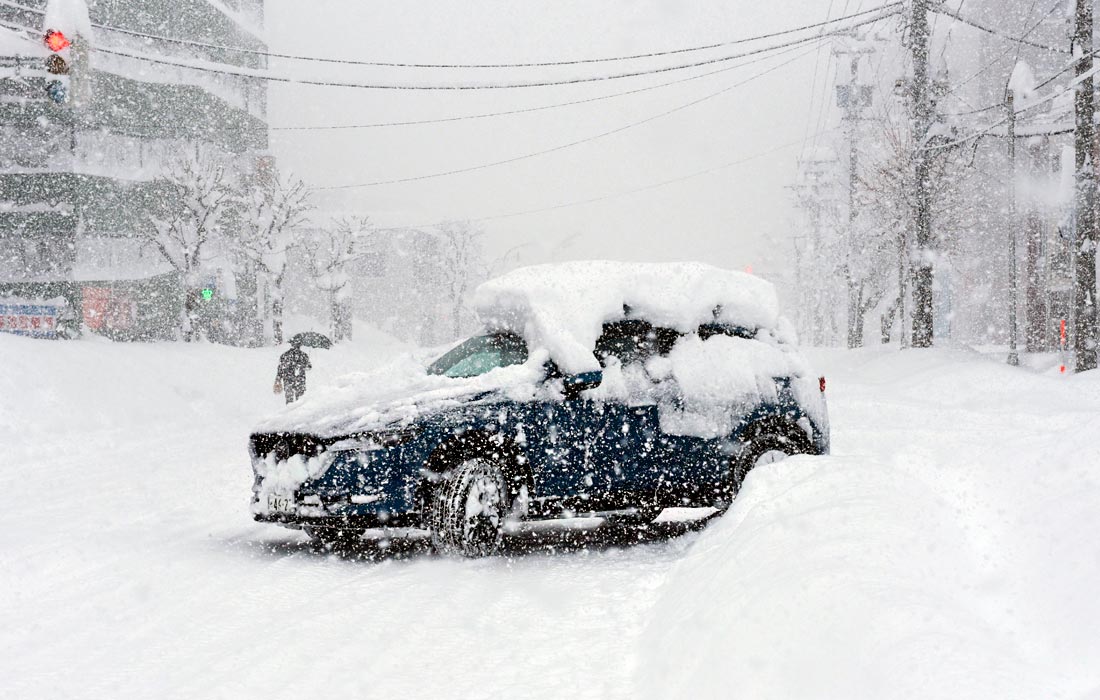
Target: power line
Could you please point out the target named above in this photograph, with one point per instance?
(999, 58)
(535, 64)
(825, 104)
(24, 8)
(1049, 98)
(1038, 86)
(389, 64)
(1018, 40)
(224, 69)
(813, 85)
(947, 39)
(527, 110)
(646, 188)
(980, 110)
(571, 144)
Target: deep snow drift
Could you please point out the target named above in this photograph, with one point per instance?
(946, 549)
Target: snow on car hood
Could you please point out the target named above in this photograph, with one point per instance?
(397, 394)
(562, 307)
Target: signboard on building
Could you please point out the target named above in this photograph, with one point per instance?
(35, 319)
(106, 309)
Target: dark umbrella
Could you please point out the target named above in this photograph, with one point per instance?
(310, 339)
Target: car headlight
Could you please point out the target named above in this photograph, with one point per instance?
(394, 438)
(377, 440)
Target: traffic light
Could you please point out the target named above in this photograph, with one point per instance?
(207, 294)
(57, 89)
(57, 41)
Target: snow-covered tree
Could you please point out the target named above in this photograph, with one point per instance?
(887, 205)
(863, 253)
(272, 209)
(330, 253)
(199, 193)
(461, 265)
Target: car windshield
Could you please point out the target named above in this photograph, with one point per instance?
(480, 354)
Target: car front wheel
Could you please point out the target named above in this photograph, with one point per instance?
(468, 510)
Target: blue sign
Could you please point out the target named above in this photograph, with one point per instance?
(32, 320)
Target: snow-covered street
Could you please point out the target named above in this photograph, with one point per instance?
(614, 350)
(947, 546)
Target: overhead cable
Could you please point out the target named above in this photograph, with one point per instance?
(943, 10)
(570, 144)
(532, 64)
(1027, 108)
(646, 188)
(224, 69)
(527, 110)
(997, 59)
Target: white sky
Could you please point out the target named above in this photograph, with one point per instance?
(734, 217)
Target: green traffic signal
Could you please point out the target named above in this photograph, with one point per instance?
(207, 294)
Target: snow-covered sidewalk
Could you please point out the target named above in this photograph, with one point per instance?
(945, 549)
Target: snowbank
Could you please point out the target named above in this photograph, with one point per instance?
(562, 307)
(946, 551)
(831, 579)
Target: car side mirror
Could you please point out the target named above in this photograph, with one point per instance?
(573, 385)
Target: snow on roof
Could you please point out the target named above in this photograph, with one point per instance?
(562, 307)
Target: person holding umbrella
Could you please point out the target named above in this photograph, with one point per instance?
(290, 377)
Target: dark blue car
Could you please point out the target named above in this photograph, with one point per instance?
(545, 444)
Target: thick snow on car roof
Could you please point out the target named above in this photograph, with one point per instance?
(562, 307)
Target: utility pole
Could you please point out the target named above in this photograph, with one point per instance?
(853, 98)
(1010, 108)
(1035, 305)
(1085, 321)
(921, 124)
(816, 195)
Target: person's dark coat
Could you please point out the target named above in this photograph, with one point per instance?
(292, 373)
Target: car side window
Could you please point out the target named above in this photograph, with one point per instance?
(479, 355)
(633, 341)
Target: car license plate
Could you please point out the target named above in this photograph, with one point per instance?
(280, 504)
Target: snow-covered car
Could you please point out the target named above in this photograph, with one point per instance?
(596, 388)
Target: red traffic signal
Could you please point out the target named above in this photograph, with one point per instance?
(57, 41)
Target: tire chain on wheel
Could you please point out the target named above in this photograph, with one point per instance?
(448, 511)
